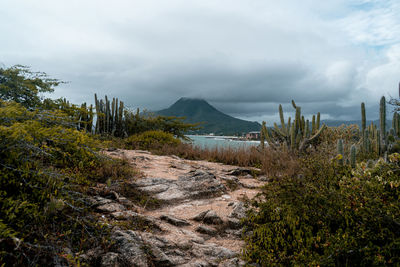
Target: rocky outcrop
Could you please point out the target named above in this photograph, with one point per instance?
(198, 223)
(196, 184)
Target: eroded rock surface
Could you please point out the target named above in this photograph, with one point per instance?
(197, 224)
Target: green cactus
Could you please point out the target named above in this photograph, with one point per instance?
(340, 152)
(109, 117)
(282, 118)
(296, 135)
(395, 124)
(262, 135)
(363, 117)
(353, 152)
(378, 142)
(382, 118)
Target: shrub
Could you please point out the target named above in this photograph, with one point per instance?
(327, 215)
(151, 140)
(45, 164)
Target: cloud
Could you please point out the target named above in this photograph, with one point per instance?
(245, 57)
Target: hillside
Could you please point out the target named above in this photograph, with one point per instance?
(213, 120)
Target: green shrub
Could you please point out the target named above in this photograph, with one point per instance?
(151, 140)
(45, 165)
(328, 215)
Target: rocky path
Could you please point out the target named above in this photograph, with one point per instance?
(197, 222)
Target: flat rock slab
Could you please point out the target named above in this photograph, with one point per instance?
(174, 221)
(196, 184)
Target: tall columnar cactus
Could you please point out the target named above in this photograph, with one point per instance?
(296, 135)
(262, 135)
(378, 142)
(353, 152)
(382, 120)
(366, 141)
(363, 117)
(340, 152)
(109, 117)
(396, 124)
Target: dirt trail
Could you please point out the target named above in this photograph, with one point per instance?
(212, 192)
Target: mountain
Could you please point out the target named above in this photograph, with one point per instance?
(213, 120)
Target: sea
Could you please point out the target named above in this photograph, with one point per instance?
(211, 141)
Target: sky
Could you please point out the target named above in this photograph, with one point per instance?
(243, 56)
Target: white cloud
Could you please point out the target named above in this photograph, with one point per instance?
(241, 55)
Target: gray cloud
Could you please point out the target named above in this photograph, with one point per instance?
(245, 57)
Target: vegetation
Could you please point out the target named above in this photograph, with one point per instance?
(151, 140)
(295, 136)
(327, 215)
(21, 85)
(45, 166)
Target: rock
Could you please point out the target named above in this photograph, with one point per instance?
(197, 184)
(91, 255)
(206, 230)
(239, 211)
(139, 219)
(98, 201)
(241, 171)
(201, 184)
(236, 233)
(197, 263)
(174, 221)
(235, 262)
(130, 245)
(234, 223)
(110, 260)
(159, 258)
(263, 178)
(212, 252)
(127, 203)
(199, 217)
(111, 207)
(211, 217)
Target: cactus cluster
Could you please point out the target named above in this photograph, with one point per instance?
(296, 135)
(110, 117)
(374, 140)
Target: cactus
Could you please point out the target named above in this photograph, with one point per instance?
(363, 117)
(296, 135)
(395, 124)
(109, 117)
(353, 152)
(382, 118)
(378, 142)
(340, 152)
(262, 135)
(366, 141)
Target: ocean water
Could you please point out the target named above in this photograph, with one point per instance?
(207, 141)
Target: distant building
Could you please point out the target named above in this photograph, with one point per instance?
(253, 135)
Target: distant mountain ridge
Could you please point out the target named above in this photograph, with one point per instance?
(213, 120)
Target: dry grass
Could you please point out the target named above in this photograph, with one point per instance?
(244, 157)
(273, 163)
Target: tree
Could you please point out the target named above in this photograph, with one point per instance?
(18, 83)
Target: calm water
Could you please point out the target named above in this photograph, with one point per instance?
(205, 141)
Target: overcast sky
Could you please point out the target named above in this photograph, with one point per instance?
(243, 56)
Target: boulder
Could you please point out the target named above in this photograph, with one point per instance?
(174, 221)
(130, 245)
(206, 230)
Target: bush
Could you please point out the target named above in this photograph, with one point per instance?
(45, 165)
(328, 215)
(151, 140)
